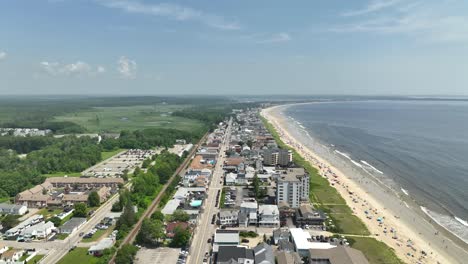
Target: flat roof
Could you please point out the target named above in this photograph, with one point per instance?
(171, 206)
(303, 241)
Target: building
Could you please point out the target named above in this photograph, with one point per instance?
(280, 234)
(228, 218)
(3, 248)
(249, 209)
(292, 187)
(284, 257)
(273, 157)
(36, 196)
(72, 225)
(337, 255)
(171, 206)
(12, 255)
(225, 238)
(14, 209)
(303, 242)
(263, 254)
(268, 215)
(306, 215)
(97, 249)
(33, 220)
(41, 230)
(235, 255)
(84, 183)
(171, 228)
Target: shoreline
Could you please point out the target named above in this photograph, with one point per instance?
(408, 224)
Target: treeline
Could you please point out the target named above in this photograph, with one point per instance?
(26, 144)
(67, 155)
(149, 138)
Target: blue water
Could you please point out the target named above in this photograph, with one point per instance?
(421, 145)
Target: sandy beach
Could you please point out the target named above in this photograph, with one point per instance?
(413, 237)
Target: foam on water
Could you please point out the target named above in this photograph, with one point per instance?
(453, 224)
(370, 166)
(405, 191)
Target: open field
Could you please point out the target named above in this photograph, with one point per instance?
(107, 154)
(36, 259)
(375, 251)
(116, 119)
(78, 256)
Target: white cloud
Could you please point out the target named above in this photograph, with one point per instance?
(276, 38)
(78, 68)
(373, 6)
(127, 68)
(172, 11)
(424, 21)
(3, 55)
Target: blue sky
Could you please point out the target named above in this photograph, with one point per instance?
(388, 47)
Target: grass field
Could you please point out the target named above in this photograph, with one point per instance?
(96, 236)
(376, 252)
(35, 259)
(78, 256)
(107, 154)
(61, 174)
(116, 119)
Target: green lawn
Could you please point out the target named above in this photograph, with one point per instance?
(35, 259)
(78, 256)
(45, 212)
(375, 251)
(61, 236)
(116, 119)
(95, 237)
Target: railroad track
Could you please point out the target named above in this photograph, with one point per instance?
(154, 205)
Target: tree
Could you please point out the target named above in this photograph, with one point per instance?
(80, 210)
(256, 185)
(128, 217)
(181, 237)
(9, 221)
(249, 143)
(126, 254)
(94, 199)
(146, 163)
(151, 232)
(158, 216)
(56, 221)
(180, 216)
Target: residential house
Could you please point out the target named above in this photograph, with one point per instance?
(72, 225)
(235, 255)
(284, 257)
(12, 255)
(268, 215)
(303, 242)
(228, 217)
(98, 249)
(14, 209)
(263, 254)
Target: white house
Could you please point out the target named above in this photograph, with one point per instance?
(231, 178)
(228, 218)
(3, 248)
(41, 230)
(12, 255)
(268, 215)
(15, 209)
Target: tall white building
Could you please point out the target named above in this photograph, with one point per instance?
(292, 187)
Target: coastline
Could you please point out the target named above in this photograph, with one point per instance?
(385, 203)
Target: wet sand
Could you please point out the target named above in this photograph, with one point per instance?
(402, 227)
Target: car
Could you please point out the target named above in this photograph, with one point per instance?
(209, 240)
(245, 240)
(81, 234)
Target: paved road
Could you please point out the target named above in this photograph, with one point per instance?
(205, 229)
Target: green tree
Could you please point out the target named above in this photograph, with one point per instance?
(180, 216)
(181, 237)
(256, 185)
(126, 254)
(158, 216)
(9, 221)
(56, 221)
(151, 232)
(128, 217)
(146, 163)
(80, 210)
(94, 199)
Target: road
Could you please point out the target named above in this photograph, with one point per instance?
(205, 229)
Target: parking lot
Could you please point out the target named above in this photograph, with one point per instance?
(159, 255)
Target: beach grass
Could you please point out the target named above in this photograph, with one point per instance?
(376, 252)
(116, 119)
(77, 256)
(327, 198)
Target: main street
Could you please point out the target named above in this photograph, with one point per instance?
(205, 229)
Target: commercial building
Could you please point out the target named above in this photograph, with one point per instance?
(292, 187)
(307, 215)
(303, 242)
(224, 238)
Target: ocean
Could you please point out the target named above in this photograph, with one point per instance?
(419, 149)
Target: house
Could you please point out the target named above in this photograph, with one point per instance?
(224, 237)
(12, 255)
(231, 178)
(72, 225)
(306, 215)
(36, 196)
(337, 255)
(171, 227)
(264, 254)
(14, 209)
(250, 209)
(280, 234)
(97, 249)
(268, 215)
(228, 217)
(303, 242)
(284, 257)
(41, 230)
(235, 255)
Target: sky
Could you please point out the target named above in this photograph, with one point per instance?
(243, 47)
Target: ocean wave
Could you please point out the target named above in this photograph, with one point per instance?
(343, 154)
(453, 224)
(404, 191)
(357, 164)
(370, 166)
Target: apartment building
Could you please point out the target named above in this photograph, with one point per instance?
(292, 187)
